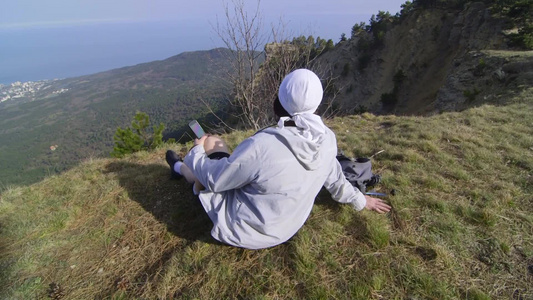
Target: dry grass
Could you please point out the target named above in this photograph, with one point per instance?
(462, 224)
(506, 54)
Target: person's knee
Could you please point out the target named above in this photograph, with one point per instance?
(197, 187)
(187, 173)
(215, 144)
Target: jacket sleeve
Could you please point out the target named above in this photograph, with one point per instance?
(227, 173)
(341, 190)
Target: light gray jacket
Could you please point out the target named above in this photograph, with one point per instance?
(262, 194)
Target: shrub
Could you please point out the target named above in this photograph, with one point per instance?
(471, 94)
(361, 109)
(343, 37)
(406, 9)
(329, 45)
(389, 99)
(521, 14)
(523, 39)
(398, 78)
(349, 89)
(378, 26)
(132, 140)
(358, 28)
(479, 70)
(364, 43)
(364, 60)
(346, 70)
(435, 33)
(520, 9)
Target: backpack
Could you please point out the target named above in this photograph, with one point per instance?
(358, 172)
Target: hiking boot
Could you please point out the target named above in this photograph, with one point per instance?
(171, 158)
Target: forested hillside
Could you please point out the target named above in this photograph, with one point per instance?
(434, 56)
(83, 120)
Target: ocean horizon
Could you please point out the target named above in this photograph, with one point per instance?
(33, 54)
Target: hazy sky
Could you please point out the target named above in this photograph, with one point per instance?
(27, 13)
(107, 34)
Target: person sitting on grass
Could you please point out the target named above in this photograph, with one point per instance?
(261, 194)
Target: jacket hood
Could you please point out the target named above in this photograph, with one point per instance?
(307, 152)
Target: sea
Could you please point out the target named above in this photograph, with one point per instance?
(32, 54)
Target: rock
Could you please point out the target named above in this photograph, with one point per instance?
(499, 74)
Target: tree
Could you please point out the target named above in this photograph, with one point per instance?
(358, 28)
(255, 85)
(242, 34)
(343, 37)
(425, 3)
(521, 14)
(132, 140)
(378, 26)
(329, 45)
(406, 9)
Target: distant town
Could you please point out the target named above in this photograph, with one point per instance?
(27, 90)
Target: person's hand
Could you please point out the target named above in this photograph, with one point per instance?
(200, 141)
(377, 205)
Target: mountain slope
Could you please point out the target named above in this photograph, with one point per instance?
(82, 120)
(430, 60)
(461, 226)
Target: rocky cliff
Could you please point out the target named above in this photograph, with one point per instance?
(432, 60)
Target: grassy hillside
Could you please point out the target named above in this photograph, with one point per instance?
(461, 225)
(83, 120)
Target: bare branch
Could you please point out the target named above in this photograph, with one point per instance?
(214, 114)
(255, 88)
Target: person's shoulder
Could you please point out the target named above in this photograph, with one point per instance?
(267, 133)
(256, 140)
(329, 131)
(330, 135)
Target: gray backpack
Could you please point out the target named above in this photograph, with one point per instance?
(358, 172)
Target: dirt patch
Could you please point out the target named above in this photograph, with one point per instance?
(426, 253)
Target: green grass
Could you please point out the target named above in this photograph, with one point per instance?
(461, 225)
